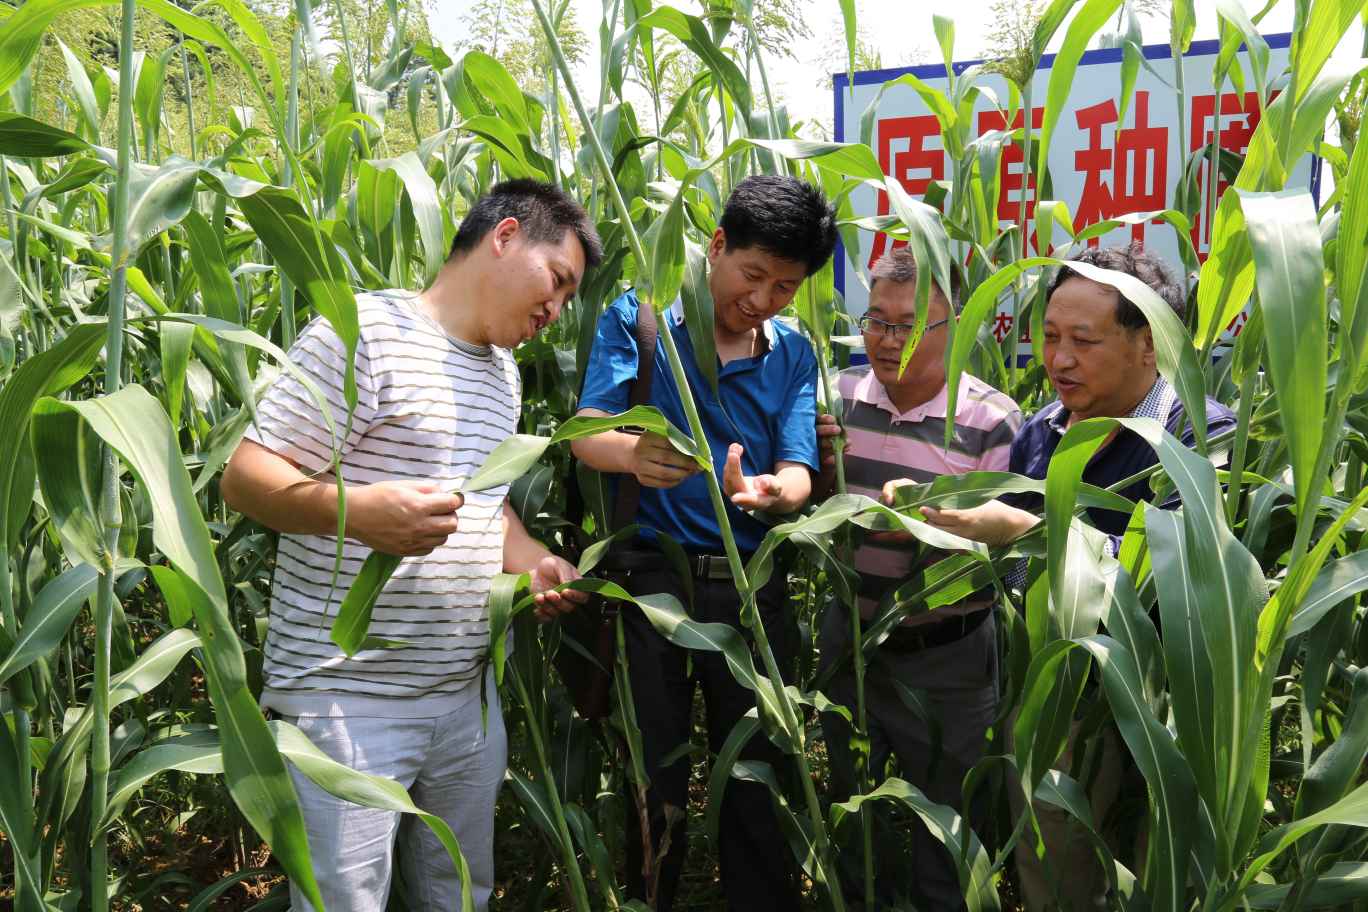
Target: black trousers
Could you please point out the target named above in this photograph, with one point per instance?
(959, 681)
(758, 870)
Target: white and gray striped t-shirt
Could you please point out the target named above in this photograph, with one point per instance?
(430, 408)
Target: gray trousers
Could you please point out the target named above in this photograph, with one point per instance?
(451, 767)
(959, 685)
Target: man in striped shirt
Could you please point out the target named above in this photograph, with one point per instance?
(895, 428)
(437, 390)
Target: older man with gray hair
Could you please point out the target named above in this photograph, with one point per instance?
(895, 421)
(1099, 356)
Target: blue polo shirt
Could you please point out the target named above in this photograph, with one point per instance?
(768, 404)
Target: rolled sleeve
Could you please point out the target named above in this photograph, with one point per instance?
(612, 364)
(798, 417)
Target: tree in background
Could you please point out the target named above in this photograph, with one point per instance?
(507, 31)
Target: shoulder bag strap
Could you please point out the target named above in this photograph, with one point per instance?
(629, 489)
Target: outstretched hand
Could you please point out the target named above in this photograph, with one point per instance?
(994, 523)
(749, 492)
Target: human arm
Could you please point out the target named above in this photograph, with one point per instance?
(406, 518)
(994, 523)
(649, 456)
(609, 375)
(280, 473)
(784, 491)
(524, 554)
(828, 432)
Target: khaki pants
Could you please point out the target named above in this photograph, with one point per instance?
(1071, 879)
(452, 766)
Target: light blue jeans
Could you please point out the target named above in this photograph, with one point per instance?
(451, 767)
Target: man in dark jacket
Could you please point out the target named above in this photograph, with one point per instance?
(1099, 355)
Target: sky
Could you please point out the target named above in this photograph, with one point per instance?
(900, 29)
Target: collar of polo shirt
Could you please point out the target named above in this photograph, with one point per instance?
(1156, 405)
(677, 318)
(871, 392)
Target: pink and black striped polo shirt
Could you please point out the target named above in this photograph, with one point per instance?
(886, 444)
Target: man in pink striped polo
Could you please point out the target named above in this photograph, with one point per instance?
(895, 429)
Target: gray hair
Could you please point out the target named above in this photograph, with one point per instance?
(1134, 260)
(899, 265)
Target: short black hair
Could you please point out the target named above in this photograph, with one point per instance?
(1134, 260)
(544, 211)
(900, 265)
(783, 216)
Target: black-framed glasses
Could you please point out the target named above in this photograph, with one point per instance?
(898, 331)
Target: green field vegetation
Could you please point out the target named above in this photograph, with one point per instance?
(185, 188)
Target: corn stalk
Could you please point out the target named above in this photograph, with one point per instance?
(110, 511)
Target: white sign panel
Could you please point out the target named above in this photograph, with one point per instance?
(1097, 170)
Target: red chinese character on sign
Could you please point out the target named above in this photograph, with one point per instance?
(1239, 119)
(1137, 166)
(1141, 167)
(1002, 325)
(1010, 166)
(913, 132)
(1095, 164)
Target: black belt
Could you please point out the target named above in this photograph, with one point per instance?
(641, 556)
(902, 640)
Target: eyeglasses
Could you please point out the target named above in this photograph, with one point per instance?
(898, 331)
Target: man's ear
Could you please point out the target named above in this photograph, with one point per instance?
(717, 245)
(502, 235)
(1147, 347)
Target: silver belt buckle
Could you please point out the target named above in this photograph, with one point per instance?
(712, 567)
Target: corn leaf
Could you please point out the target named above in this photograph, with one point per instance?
(973, 865)
(49, 618)
(1093, 16)
(1285, 241)
(135, 426)
(46, 373)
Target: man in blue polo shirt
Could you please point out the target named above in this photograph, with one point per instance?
(775, 232)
